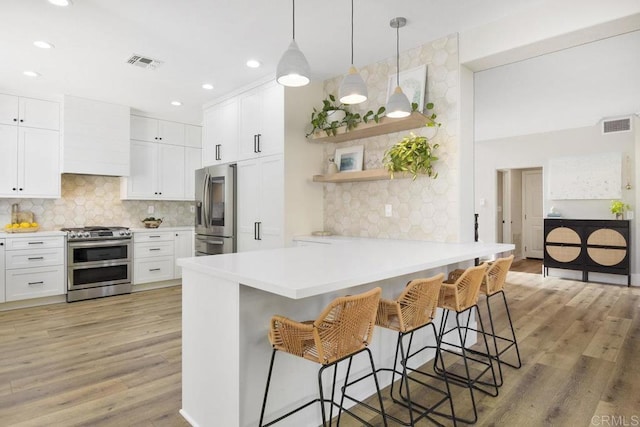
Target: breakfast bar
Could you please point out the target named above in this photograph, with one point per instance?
(228, 301)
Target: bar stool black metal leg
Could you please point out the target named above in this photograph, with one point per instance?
(513, 334)
(495, 340)
(266, 391)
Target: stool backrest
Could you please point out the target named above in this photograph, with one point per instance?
(496, 274)
(468, 286)
(346, 325)
(418, 302)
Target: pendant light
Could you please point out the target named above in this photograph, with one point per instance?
(353, 90)
(398, 105)
(293, 69)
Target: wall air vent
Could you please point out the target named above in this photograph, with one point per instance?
(616, 125)
(144, 62)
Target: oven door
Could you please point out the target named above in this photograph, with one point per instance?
(93, 275)
(81, 253)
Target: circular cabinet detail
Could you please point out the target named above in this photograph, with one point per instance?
(563, 253)
(606, 237)
(563, 235)
(607, 257)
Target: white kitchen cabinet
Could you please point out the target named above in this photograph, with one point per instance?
(262, 120)
(183, 248)
(153, 258)
(193, 136)
(155, 130)
(192, 161)
(95, 137)
(260, 184)
(29, 112)
(220, 133)
(157, 172)
(30, 162)
(34, 267)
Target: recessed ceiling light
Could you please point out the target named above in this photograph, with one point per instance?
(31, 74)
(176, 103)
(207, 86)
(61, 2)
(43, 44)
(252, 63)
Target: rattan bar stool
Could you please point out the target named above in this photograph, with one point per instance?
(413, 310)
(459, 295)
(492, 285)
(343, 330)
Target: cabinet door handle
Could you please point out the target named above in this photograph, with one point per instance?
(35, 243)
(35, 258)
(255, 143)
(21, 121)
(259, 233)
(15, 120)
(255, 231)
(218, 154)
(154, 269)
(36, 283)
(154, 237)
(259, 149)
(154, 249)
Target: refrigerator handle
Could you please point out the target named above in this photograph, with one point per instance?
(205, 200)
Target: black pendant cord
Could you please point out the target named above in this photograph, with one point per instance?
(294, 19)
(351, 32)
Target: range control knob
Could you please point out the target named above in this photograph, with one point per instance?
(86, 234)
(72, 235)
(127, 232)
(121, 232)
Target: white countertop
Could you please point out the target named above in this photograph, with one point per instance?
(162, 228)
(304, 271)
(35, 234)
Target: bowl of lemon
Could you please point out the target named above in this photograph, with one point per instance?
(22, 227)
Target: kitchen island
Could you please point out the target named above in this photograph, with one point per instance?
(228, 301)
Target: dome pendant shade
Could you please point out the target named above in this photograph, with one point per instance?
(353, 90)
(293, 69)
(398, 105)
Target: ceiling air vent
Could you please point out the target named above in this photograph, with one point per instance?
(616, 125)
(144, 62)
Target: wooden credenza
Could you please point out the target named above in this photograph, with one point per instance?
(587, 245)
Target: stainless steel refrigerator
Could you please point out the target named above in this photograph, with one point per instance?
(215, 210)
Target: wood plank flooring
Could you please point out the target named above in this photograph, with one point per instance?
(117, 361)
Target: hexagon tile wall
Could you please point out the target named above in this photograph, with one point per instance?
(95, 200)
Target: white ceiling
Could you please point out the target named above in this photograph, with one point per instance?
(207, 41)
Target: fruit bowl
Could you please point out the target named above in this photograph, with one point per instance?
(152, 222)
(30, 229)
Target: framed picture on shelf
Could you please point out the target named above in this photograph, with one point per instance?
(349, 159)
(413, 83)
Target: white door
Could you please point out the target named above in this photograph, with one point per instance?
(39, 162)
(248, 196)
(506, 207)
(170, 132)
(8, 161)
(271, 213)
(533, 216)
(170, 172)
(144, 129)
(38, 113)
(142, 182)
(271, 139)
(250, 123)
(8, 109)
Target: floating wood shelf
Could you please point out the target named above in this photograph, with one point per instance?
(366, 130)
(358, 176)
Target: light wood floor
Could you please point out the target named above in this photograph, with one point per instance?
(116, 361)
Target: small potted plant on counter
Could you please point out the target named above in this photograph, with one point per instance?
(618, 207)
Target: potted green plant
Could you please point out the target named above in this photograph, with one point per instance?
(618, 207)
(413, 154)
(331, 116)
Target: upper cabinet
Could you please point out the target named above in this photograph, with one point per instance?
(162, 166)
(262, 119)
(30, 146)
(95, 137)
(154, 130)
(220, 134)
(29, 112)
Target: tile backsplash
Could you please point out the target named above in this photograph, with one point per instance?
(95, 200)
(424, 209)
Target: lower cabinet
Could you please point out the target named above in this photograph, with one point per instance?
(34, 267)
(260, 203)
(155, 253)
(2, 287)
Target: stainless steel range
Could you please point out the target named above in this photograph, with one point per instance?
(98, 262)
